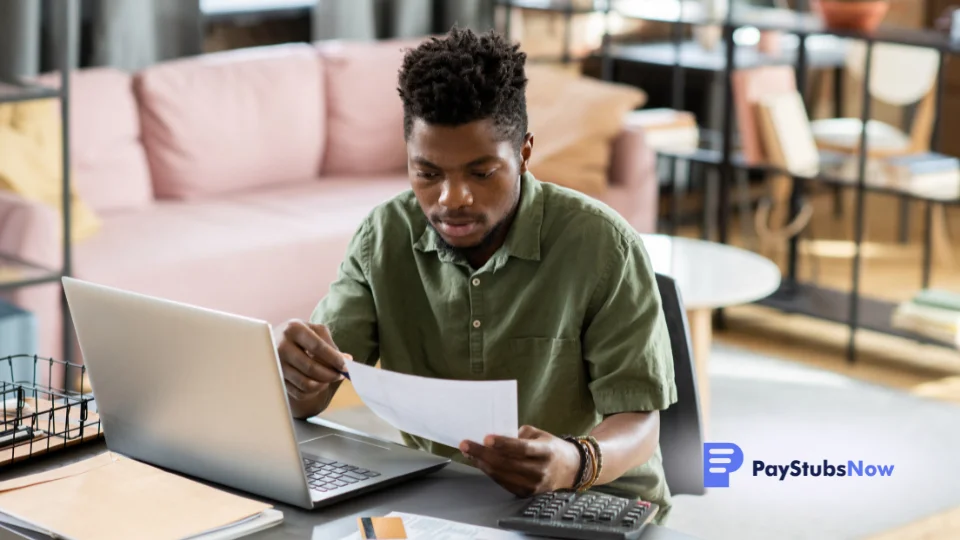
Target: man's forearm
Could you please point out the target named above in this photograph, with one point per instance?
(627, 440)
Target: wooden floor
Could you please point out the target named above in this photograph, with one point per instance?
(890, 271)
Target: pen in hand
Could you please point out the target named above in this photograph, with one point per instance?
(344, 373)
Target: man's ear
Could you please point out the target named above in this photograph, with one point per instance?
(525, 152)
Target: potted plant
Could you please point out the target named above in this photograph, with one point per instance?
(861, 15)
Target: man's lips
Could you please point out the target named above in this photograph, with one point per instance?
(458, 229)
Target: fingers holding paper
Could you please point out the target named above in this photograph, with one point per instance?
(534, 462)
(310, 362)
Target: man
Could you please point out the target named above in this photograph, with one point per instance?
(482, 272)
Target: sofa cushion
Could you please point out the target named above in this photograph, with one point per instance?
(575, 121)
(107, 159)
(269, 254)
(364, 111)
(233, 120)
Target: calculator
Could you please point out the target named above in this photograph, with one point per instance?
(582, 516)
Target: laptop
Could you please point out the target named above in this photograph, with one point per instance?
(201, 392)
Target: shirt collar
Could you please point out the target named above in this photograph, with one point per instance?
(523, 240)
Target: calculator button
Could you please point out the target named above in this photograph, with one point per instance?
(530, 513)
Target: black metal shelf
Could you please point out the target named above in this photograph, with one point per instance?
(834, 306)
(691, 13)
(849, 308)
(714, 156)
(556, 6)
(12, 92)
(16, 273)
(691, 55)
(804, 24)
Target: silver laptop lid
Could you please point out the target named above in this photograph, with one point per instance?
(189, 389)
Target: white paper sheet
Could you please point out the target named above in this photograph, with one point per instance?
(441, 410)
(428, 528)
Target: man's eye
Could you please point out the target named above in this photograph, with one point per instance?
(427, 174)
(486, 174)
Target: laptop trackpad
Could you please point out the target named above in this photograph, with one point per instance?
(339, 446)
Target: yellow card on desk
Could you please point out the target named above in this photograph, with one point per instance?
(382, 528)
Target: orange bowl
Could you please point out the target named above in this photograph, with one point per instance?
(863, 16)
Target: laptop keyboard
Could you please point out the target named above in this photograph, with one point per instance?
(327, 475)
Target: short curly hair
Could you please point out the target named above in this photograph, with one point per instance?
(464, 77)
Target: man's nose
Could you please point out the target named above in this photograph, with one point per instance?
(456, 194)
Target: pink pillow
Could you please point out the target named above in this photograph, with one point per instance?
(364, 111)
(233, 120)
(108, 162)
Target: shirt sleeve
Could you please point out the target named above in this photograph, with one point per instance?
(348, 309)
(626, 344)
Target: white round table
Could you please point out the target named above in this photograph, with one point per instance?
(710, 276)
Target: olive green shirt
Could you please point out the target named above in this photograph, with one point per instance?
(568, 307)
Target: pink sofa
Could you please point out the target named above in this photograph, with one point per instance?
(235, 180)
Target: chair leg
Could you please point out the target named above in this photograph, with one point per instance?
(701, 336)
(941, 236)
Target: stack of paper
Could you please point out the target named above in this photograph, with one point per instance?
(112, 497)
(931, 313)
(929, 174)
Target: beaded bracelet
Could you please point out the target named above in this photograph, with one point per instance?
(594, 469)
(599, 457)
(587, 462)
(581, 471)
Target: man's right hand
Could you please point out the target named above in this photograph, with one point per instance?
(311, 363)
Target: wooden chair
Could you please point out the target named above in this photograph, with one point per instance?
(901, 76)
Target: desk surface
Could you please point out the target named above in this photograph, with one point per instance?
(457, 492)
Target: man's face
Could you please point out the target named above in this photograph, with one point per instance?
(466, 179)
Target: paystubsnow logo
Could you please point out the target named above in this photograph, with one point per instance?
(722, 459)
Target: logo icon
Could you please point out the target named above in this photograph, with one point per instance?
(719, 460)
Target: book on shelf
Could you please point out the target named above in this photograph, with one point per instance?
(786, 134)
(667, 129)
(931, 313)
(750, 87)
(927, 174)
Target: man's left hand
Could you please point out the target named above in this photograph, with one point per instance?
(535, 462)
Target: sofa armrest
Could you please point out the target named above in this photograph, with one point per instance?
(29, 231)
(633, 173)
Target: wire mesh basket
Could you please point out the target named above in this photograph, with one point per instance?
(37, 417)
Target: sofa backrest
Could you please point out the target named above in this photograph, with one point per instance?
(364, 111)
(233, 120)
(107, 160)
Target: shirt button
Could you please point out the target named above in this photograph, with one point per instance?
(476, 324)
(476, 282)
